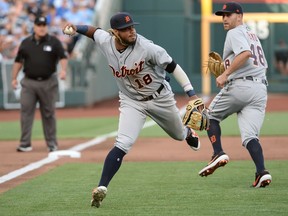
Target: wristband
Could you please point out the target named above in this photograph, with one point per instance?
(190, 93)
(82, 29)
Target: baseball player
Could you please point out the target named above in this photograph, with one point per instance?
(244, 92)
(139, 67)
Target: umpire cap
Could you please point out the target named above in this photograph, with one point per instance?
(230, 7)
(122, 20)
(40, 20)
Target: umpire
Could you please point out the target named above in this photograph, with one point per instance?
(39, 55)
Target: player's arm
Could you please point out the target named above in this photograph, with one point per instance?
(182, 78)
(237, 63)
(86, 30)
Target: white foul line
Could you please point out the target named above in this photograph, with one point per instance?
(79, 147)
(47, 160)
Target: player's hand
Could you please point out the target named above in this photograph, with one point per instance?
(221, 80)
(200, 108)
(69, 29)
(193, 97)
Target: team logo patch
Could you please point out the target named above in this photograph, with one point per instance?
(41, 19)
(127, 19)
(47, 48)
(224, 6)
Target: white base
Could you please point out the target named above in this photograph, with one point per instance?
(63, 153)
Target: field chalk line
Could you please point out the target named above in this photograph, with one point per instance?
(73, 150)
(51, 159)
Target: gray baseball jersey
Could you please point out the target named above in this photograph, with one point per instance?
(241, 39)
(245, 92)
(139, 72)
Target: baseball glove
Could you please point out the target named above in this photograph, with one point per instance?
(196, 116)
(215, 64)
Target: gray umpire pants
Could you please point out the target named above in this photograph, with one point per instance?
(45, 93)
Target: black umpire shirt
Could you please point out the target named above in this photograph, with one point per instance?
(40, 58)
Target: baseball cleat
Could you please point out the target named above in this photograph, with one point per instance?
(24, 148)
(52, 148)
(262, 179)
(219, 160)
(192, 139)
(98, 194)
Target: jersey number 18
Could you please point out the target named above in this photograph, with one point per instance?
(257, 55)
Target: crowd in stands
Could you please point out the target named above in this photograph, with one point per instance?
(17, 20)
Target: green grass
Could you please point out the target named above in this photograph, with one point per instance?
(161, 188)
(66, 128)
(274, 125)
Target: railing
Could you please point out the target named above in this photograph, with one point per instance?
(11, 97)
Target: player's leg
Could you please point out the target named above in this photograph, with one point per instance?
(164, 112)
(219, 157)
(131, 120)
(221, 107)
(112, 164)
(214, 134)
(28, 102)
(250, 121)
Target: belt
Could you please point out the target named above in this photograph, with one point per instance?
(151, 97)
(254, 79)
(38, 78)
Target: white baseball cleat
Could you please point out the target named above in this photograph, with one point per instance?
(219, 160)
(98, 194)
(262, 179)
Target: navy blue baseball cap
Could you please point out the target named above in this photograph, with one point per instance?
(230, 7)
(122, 20)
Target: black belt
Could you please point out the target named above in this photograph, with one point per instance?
(150, 97)
(38, 78)
(264, 81)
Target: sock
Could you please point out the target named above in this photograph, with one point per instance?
(214, 134)
(112, 164)
(256, 153)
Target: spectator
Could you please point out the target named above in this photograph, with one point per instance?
(281, 58)
(84, 12)
(4, 7)
(21, 13)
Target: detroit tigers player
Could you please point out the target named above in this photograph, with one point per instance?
(244, 92)
(139, 67)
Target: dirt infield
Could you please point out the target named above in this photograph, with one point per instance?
(148, 149)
